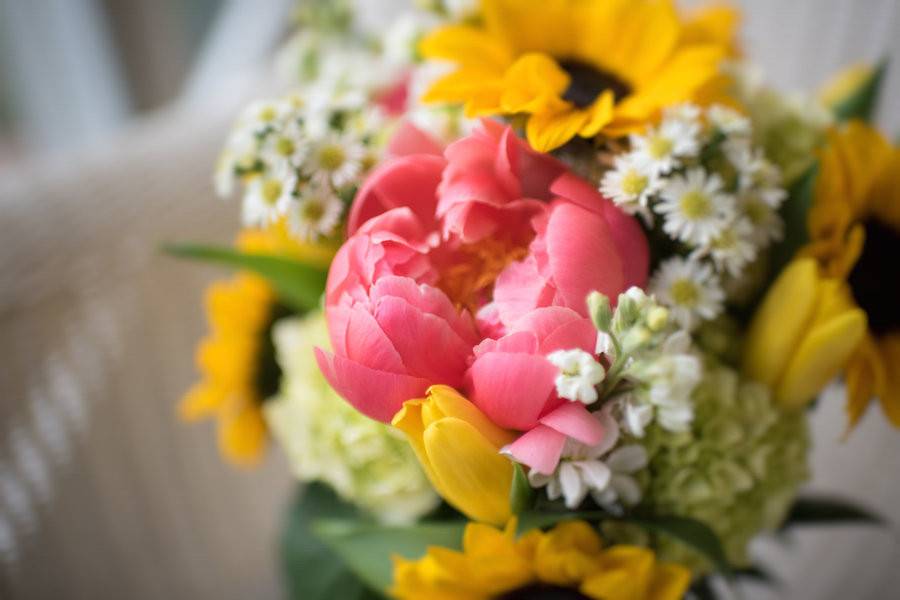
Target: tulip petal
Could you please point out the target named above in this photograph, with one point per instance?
(471, 475)
(452, 404)
(539, 449)
(511, 389)
(574, 420)
(376, 394)
(820, 357)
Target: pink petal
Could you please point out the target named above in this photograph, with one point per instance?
(559, 328)
(427, 344)
(523, 342)
(574, 420)
(623, 228)
(511, 389)
(376, 394)
(540, 449)
(582, 255)
(365, 342)
(409, 139)
(410, 181)
(519, 289)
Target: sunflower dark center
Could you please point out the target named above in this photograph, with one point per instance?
(543, 592)
(588, 82)
(875, 280)
(268, 372)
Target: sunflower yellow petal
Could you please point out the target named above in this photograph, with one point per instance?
(532, 81)
(889, 395)
(865, 376)
(471, 473)
(600, 114)
(554, 126)
(467, 46)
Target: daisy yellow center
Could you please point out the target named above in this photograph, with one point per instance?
(634, 183)
(588, 82)
(284, 146)
(331, 157)
(684, 292)
(267, 113)
(725, 240)
(660, 146)
(696, 205)
(755, 210)
(312, 211)
(874, 281)
(271, 191)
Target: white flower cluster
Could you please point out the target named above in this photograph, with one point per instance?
(301, 158)
(717, 197)
(651, 376)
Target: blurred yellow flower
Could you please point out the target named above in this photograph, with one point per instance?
(236, 360)
(459, 448)
(568, 558)
(578, 67)
(854, 227)
(803, 334)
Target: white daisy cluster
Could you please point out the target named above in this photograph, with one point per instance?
(301, 158)
(651, 376)
(700, 179)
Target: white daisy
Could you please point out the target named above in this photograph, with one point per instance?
(685, 111)
(690, 289)
(664, 147)
(695, 207)
(317, 213)
(336, 158)
(728, 121)
(579, 375)
(286, 143)
(754, 170)
(630, 184)
(762, 216)
(733, 248)
(269, 196)
(587, 469)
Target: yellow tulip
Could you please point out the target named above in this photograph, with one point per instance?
(459, 448)
(803, 334)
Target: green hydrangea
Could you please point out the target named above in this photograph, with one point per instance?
(737, 469)
(367, 463)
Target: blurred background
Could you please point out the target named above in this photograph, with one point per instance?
(111, 115)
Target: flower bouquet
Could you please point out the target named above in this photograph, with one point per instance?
(536, 296)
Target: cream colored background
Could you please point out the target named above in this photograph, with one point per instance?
(104, 495)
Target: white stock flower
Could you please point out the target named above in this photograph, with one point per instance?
(579, 375)
(600, 470)
(690, 289)
(694, 206)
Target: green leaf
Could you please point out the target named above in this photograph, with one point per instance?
(862, 102)
(829, 511)
(299, 285)
(311, 570)
(690, 532)
(367, 548)
(521, 494)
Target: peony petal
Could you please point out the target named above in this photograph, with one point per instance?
(376, 394)
(427, 344)
(410, 181)
(364, 340)
(559, 328)
(511, 389)
(409, 140)
(519, 289)
(583, 255)
(574, 420)
(539, 449)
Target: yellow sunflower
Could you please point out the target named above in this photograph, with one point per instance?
(568, 561)
(578, 67)
(854, 227)
(236, 361)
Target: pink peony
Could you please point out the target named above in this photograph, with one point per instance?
(467, 269)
